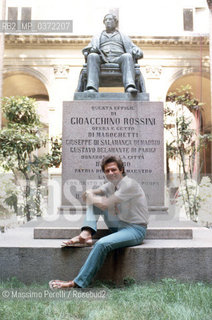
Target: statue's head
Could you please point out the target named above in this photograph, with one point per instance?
(111, 17)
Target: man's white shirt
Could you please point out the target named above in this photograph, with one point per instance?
(132, 206)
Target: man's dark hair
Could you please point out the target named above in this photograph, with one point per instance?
(114, 17)
(117, 160)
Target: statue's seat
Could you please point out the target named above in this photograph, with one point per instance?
(111, 76)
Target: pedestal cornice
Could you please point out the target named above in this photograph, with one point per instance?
(75, 41)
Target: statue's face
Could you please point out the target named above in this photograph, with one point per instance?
(109, 22)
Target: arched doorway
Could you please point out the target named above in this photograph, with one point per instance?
(200, 85)
(27, 82)
(21, 84)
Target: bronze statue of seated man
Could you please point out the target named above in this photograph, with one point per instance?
(111, 46)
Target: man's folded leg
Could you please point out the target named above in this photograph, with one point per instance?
(91, 218)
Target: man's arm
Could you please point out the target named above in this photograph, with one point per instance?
(96, 192)
(100, 201)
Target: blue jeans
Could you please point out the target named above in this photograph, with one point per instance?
(123, 235)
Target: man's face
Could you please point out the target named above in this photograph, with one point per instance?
(109, 22)
(112, 172)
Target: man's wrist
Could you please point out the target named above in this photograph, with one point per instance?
(89, 197)
(88, 193)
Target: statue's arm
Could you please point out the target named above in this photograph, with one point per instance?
(91, 47)
(136, 52)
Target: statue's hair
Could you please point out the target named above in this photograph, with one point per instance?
(114, 17)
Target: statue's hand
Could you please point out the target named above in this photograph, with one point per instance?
(137, 53)
(94, 50)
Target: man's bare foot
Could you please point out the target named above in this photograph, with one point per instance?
(58, 284)
(83, 238)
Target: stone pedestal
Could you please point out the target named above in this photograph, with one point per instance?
(131, 129)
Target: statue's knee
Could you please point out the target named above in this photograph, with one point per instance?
(127, 56)
(93, 57)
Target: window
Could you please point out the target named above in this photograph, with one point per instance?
(26, 14)
(15, 13)
(188, 23)
(12, 13)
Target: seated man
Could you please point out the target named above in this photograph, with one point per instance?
(122, 203)
(111, 46)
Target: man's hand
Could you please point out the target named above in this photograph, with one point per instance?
(85, 194)
(100, 202)
(91, 198)
(88, 197)
(93, 192)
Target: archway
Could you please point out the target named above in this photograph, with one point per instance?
(17, 83)
(20, 84)
(201, 88)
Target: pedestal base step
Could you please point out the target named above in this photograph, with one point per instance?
(39, 260)
(152, 233)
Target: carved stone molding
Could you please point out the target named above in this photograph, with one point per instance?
(61, 71)
(187, 71)
(153, 71)
(45, 40)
